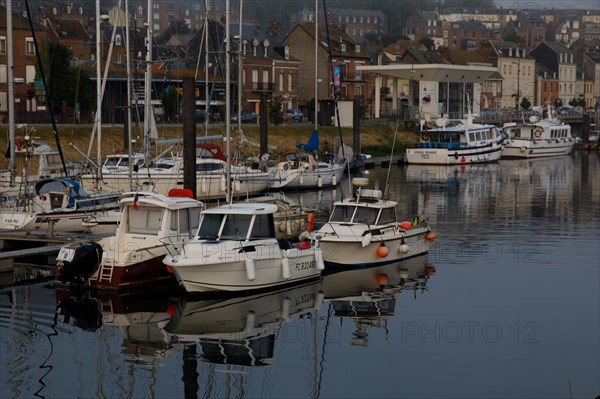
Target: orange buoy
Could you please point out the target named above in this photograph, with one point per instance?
(382, 250)
(429, 270)
(169, 269)
(430, 236)
(309, 222)
(382, 279)
(304, 245)
(180, 192)
(463, 159)
(406, 225)
(172, 309)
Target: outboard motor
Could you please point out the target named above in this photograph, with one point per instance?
(76, 262)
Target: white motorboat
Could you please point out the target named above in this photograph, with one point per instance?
(301, 170)
(167, 173)
(236, 249)
(61, 206)
(363, 231)
(462, 142)
(538, 138)
(133, 256)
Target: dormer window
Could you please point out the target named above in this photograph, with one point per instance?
(118, 40)
(266, 47)
(357, 48)
(343, 47)
(286, 52)
(255, 47)
(244, 46)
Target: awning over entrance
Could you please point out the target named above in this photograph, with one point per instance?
(433, 72)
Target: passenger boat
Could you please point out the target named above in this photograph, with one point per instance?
(236, 249)
(459, 142)
(363, 231)
(241, 330)
(538, 138)
(60, 205)
(133, 256)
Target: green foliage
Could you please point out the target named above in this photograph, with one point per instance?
(525, 103)
(171, 103)
(575, 102)
(558, 102)
(514, 38)
(274, 110)
(427, 42)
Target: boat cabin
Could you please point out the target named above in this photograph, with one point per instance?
(456, 137)
(149, 214)
(238, 222)
(368, 209)
(116, 162)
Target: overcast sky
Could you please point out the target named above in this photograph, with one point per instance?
(523, 4)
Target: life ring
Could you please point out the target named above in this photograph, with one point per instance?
(425, 136)
(537, 133)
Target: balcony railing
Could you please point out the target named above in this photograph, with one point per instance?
(263, 87)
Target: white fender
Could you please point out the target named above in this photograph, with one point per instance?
(319, 181)
(204, 185)
(223, 183)
(250, 269)
(285, 268)
(319, 258)
(237, 185)
(366, 240)
(301, 180)
(334, 180)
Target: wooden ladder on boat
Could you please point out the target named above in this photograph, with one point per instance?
(106, 270)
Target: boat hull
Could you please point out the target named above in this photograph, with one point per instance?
(444, 156)
(348, 251)
(64, 222)
(298, 178)
(224, 268)
(522, 148)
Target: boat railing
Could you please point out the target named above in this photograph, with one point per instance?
(440, 145)
(173, 243)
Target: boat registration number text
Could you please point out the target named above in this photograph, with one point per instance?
(305, 265)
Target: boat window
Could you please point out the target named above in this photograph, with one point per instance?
(342, 214)
(477, 136)
(263, 227)
(111, 162)
(366, 215)
(471, 136)
(210, 226)
(208, 167)
(144, 220)
(388, 215)
(188, 220)
(236, 227)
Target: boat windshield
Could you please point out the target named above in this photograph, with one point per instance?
(235, 227)
(111, 162)
(344, 213)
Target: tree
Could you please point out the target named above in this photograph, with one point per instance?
(558, 102)
(427, 42)
(274, 110)
(514, 38)
(525, 104)
(64, 84)
(171, 102)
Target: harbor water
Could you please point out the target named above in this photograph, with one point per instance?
(506, 304)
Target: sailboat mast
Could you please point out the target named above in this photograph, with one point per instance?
(128, 103)
(239, 77)
(47, 91)
(98, 95)
(11, 91)
(316, 64)
(148, 82)
(227, 100)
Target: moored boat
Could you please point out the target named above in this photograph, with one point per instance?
(462, 142)
(363, 231)
(236, 249)
(538, 138)
(133, 256)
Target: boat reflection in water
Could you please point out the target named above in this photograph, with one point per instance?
(241, 330)
(139, 317)
(368, 296)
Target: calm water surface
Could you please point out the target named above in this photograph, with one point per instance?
(506, 304)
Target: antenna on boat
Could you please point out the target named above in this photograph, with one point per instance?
(387, 178)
